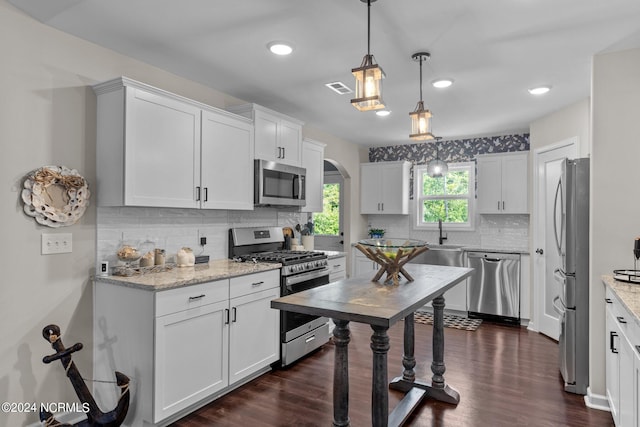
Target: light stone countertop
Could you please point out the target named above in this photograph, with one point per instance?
(184, 276)
(333, 254)
(627, 293)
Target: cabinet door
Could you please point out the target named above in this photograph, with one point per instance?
(394, 189)
(290, 143)
(612, 365)
(254, 340)
(227, 157)
(489, 184)
(313, 162)
(370, 197)
(363, 265)
(626, 383)
(337, 270)
(191, 357)
(515, 174)
(266, 136)
(162, 151)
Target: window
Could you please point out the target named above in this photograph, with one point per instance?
(327, 222)
(449, 198)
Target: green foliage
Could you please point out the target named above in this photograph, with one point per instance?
(444, 205)
(327, 222)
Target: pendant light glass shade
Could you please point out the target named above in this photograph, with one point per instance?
(436, 167)
(368, 85)
(420, 117)
(368, 76)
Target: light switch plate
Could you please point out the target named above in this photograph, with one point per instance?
(59, 243)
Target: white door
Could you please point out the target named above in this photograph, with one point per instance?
(546, 259)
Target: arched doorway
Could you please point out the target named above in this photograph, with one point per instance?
(329, 224)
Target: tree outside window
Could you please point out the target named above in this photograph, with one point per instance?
(327, 222)
(449, 198)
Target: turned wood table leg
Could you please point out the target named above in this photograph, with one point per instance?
(406, 381)
(341, 338)
(379, 391)
(439, 388)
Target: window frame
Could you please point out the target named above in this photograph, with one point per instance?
(419, 198)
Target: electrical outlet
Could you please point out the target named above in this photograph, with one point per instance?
(59, 243)
(203, 241)
(202, 238)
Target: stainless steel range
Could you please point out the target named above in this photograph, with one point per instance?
(301, 270)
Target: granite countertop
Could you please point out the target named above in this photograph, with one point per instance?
(184, 276)
(465, 248)
(627, 293)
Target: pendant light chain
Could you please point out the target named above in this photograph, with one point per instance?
(421, 78)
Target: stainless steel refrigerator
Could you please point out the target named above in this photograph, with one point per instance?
(571, 226)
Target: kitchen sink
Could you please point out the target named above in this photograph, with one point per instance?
(451, 255)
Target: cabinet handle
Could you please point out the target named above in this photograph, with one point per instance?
(206, 194)
(503, 205)
(284, 152)
(608, 300)
(382, 205)
(197, 194)
(311, 338)
(197, 297)
(612, 335)
(279, 152)
(234, 314)
(257, 284)
(226, 316)
(498, 204)
(621, 319)
(638, 349)
(337, 265)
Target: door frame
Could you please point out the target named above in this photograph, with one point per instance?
(538, 262)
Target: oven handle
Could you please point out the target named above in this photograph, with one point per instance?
(303, 277)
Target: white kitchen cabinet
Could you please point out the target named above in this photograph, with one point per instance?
(278, 138)
(362, 264)
(313, 162)
(227, 156)
(186, 346)
(191, 356)
(337, 268)
(503, 183)
(622, 363)
(158, 149)
(252, 348)
(384, 188)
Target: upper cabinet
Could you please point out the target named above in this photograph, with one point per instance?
(313, 162)
(278, 138)
(503, 183)
(384, 188)
(158, 149)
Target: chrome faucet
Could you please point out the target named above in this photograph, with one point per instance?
(441, 238)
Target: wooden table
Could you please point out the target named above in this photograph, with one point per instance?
(360, 300)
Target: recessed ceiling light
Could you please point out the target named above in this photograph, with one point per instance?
(540, 90)
(280, 48)
(383, 113)
(442, 83)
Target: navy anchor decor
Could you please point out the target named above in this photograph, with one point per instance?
(95, 417)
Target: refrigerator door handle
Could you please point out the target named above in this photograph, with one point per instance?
(555, 215)
(557, 306)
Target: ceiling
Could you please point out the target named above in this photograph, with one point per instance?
(494, 50)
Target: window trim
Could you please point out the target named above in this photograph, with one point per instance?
(418, 172)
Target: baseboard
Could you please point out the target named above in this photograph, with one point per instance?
(596, 401)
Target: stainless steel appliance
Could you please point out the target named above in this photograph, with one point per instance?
(571, 227)
(278, 185)
(494, 287)
(301, 270)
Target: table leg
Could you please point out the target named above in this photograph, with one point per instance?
(379, 391)
(341, 338)
(439, 389)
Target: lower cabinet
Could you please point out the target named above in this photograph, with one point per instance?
(186, 346)
(362, 264)
(337, 268)
(622, 364)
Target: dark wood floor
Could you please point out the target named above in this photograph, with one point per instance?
(506, 376)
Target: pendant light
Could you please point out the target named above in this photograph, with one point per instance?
(420, 118)
(368, 76)
(436, 167)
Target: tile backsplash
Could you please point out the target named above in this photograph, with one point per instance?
(172, 229)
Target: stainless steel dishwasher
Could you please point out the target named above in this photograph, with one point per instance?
(494, 287)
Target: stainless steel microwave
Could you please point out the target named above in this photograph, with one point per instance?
(279, 185)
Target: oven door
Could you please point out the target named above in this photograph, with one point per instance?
(294, 324)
